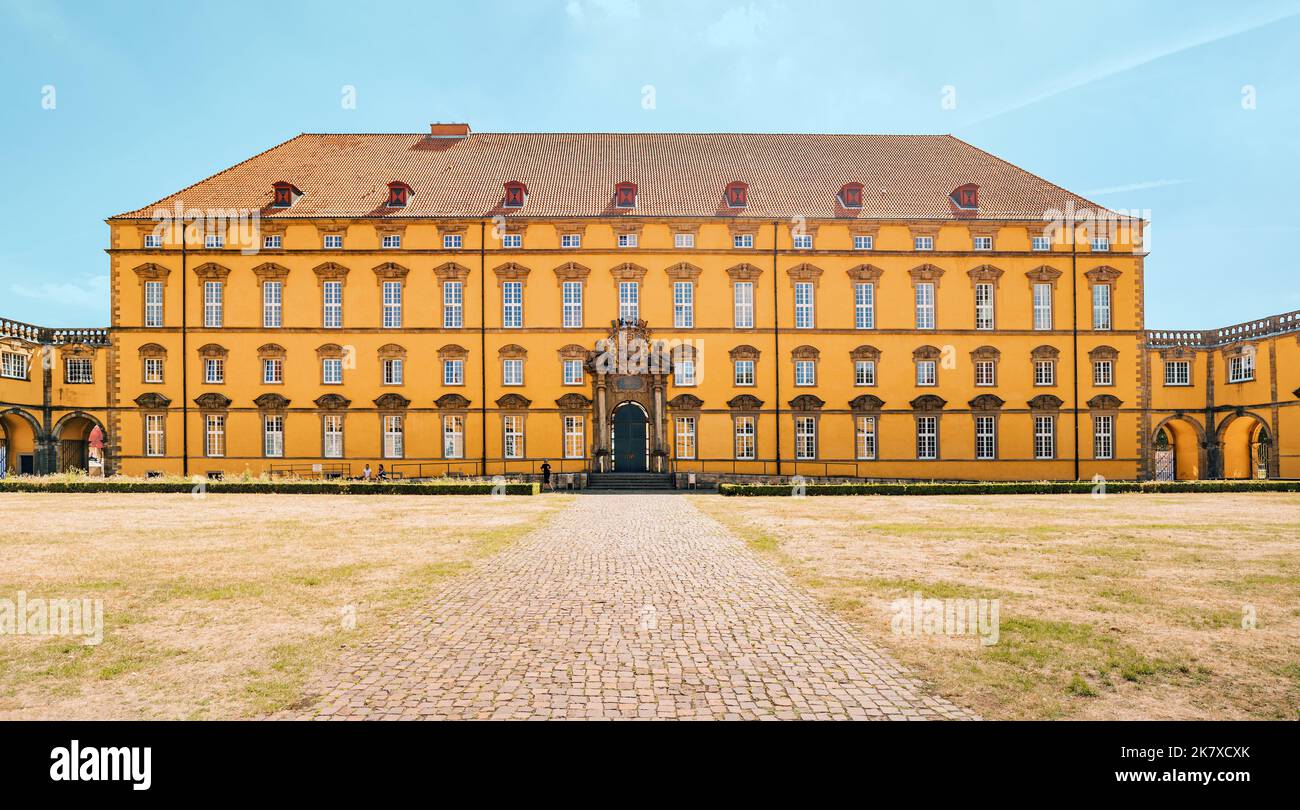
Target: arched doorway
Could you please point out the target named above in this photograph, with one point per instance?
(19, 440)
(1247, 446)
(1177, 447)
(629, 439)
(72, 440)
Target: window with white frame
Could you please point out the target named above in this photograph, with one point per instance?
(391, 241)
(1241, 368)
(512, 304)
(78, 370)
(742, 240)
(453, 371)
(685, 432)
(453, 436)
(332, 436)
(332, 304)
(572, 305)
(864, 242)
(805, 372)
(272, 370)
(684, 372)
(803, 241)
(153, 369)
(153, 240)
(927, 437)
(393, 370)
(272, 242)
(512, 371)
(272, 305)
(154, 434)
(986, 372)
(512, 442)
(331, 370)
(923, 243)
(394, 436)
(683, 305)
(1042, 306)
(629, 300)
(214, 371)
(926, 372)
(1041, 243)
(575, 439)
(1044, 372)
(273, 435)
(683, 240)
(925, 305)
(983, 306)
(627, 240)
(453, 305)
(153, 303)
(805, 438)
(333, 241)
(744, 372)
(986, 437)
(13, 365)
(214, 435)
(864, 437)
(1178, 372)
(572, 372)
(746, 446)
(1103, 437)
(743, 300)
(864, 372)
(803, 305)
(452, 241)
(214, 241)
(864, 305)
(1101, 307)
(1100, 244)
(392, 305)
(512, 240)
(1044, 437)
(982, 243)
(571, 240)
(1103, 372)
(213, 315)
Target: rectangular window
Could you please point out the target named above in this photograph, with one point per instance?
(744, 372)
(333, 241)
(272, 305)
(923, 243)
(926, 372)
(864, 306)
(1101, 307)
(743, 299)
(925, 305)
(684, 372)
(1044, 437)
(272, 242)
(1044, 372)
(1103, 372)
(272, 371)
(332, 304)
(394, 436)
(393, 371)
(683, 240)
(746, 446)
(803, 305)
(864, 242)
(629, 301)
(452, 241)
(153, 303)
(332, 436)
(742, 240)
(78, 370)
(1042, 306)
(685, 436)
(572, 305)
(571, 240)
(392, 305)
(575, 440)
(512, 445)
(453, 372)
(154, 426)
(512, 371)
(983, 306)
(805, 372)
(983, 243)
(214, 241)
(512, 305)
(214, 371)
(392, 241)
(214, 435)
(1100, 245)
(213, 316)
(331, 371)
(453, 436)
(1103, 437)
(1241, 368)
(153, 240)
(573, 372)
(1178, 372)
(986, 437)
(512, 240)
(1042, 243)
(627, 240)
(805, 438)
(865, 439)
(13, 366)
(683, 305)
(453, 305)
(153, 369)
(803, 241)
(273, 436)
(985, 372)
(864, 372)
(927, 437)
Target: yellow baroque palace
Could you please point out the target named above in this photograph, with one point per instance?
(880, 307)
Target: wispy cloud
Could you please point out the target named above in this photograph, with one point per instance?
(624, 9)
(738, 27)
(1139, 186)
(88, 293)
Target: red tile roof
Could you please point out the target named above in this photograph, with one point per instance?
(677, 175)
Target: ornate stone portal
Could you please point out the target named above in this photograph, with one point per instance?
(630, 366)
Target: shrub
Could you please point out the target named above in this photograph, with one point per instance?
(1010, 488)
(33, 484)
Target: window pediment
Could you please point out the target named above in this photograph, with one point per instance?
(865, 274)
(392, 402)
(573, 402)
(271, 402)
(151, 400)
(212, 401)
(866, 403)
(744, 402)
(1045, 353)
(1046, 402)
(1105, 402)
(926, 274)
(332, 402)
(928, 402)
(744, 352)
(986, 402)
(451, 402)
(685, 402)
(453, 351)
(807, 402)
(513, 402)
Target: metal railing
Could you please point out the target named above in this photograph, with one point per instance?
(312, 471)
(1209, 338)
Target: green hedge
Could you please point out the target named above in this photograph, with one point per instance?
(1011, 488)
(275, 487)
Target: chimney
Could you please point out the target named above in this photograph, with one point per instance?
(449, 130)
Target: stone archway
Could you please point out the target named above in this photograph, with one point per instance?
(22, 443)
(1247, 446)
(71, 439)
(629, 439)
(1186, 458)
(629, 368)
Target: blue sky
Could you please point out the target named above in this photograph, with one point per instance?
(1136, 105)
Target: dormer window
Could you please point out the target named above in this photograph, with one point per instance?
(851, 195)
(516, 194)
(399, 194)
(625, 195)
(966, 197)
(737, 194)
(284, 193)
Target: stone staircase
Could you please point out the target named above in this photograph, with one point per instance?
(629, 482)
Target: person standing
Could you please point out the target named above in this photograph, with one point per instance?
(365, 473)
(546, 473)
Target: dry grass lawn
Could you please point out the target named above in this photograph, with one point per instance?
(1124, 607)
(220, 607)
